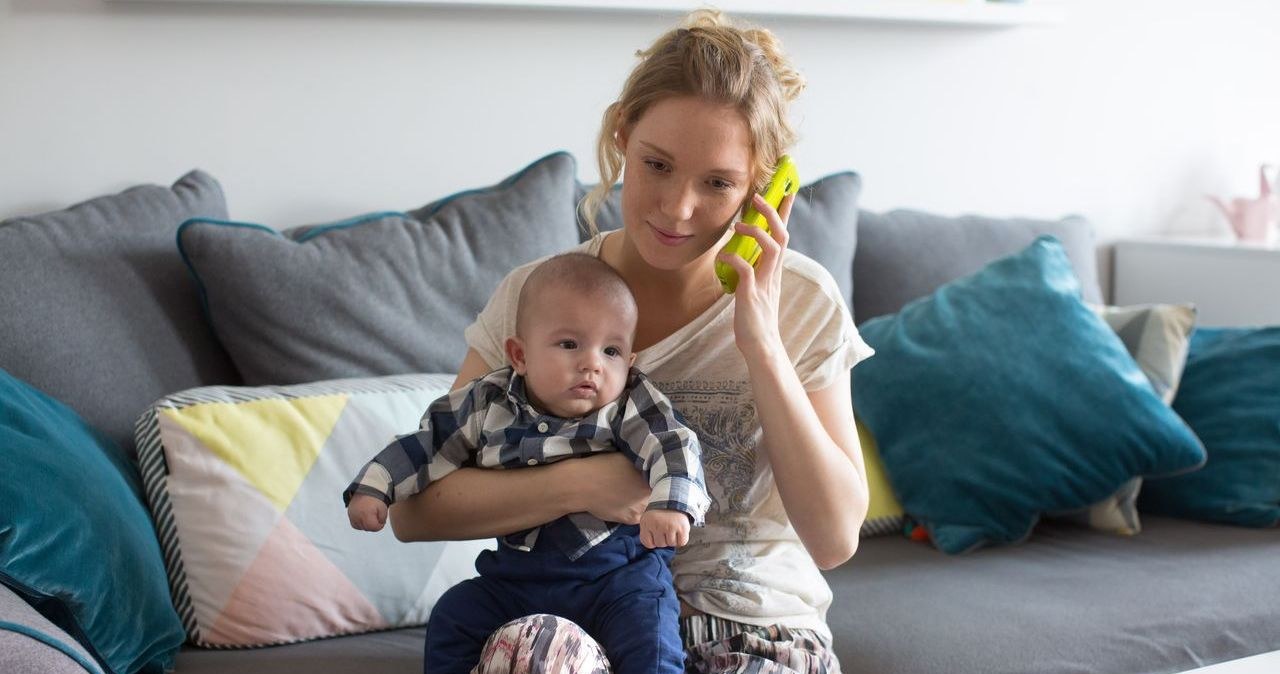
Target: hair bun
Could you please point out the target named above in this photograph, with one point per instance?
(791, 80)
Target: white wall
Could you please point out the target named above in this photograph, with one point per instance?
(1126, 113)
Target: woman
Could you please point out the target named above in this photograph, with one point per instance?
(762, 375)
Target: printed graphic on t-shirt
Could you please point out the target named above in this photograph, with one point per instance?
(723, 415)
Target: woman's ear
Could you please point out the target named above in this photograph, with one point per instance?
(620, 138)
(515, 353)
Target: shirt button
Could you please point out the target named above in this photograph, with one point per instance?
(532, 462)
(542, 427)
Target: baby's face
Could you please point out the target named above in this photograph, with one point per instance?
(576, 353)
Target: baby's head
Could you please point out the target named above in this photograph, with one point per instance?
(575, 323)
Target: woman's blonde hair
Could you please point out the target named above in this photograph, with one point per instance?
(714, 59)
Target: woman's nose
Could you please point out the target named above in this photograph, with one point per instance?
(679, 201)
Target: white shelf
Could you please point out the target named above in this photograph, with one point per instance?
(1231, 284)
(975, 13)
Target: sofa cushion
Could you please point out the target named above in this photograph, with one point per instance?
(97, 309)
(387, 293)
(1180, 596)
(905, 254)
(1230, 395)
(1002, 396)
(76, 542)
(246, 488)
(823, 223)
(391, 652)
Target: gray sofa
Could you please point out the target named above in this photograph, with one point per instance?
(1177, 596)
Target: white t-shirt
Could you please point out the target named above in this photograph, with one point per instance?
(747, 564)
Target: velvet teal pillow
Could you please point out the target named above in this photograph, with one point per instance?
(75, 539)
(1002, 396)
(1230, 395)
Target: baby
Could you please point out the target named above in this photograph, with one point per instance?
(570, 391)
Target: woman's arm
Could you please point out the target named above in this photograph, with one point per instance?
(479, 503)
(812, 445)
(809, 437)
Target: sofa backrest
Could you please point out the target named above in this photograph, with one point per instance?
(906, 254)
(98, 310)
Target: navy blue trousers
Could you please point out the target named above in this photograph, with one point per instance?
(620, 592)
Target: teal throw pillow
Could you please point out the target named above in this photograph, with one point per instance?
(1002, 396)
(1230, 395)
(75, 540)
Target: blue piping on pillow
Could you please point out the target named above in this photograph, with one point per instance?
(52, 642)
(56, 611)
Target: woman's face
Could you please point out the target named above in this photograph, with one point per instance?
(687, 174)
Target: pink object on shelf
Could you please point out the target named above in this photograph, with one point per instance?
(1255, 220)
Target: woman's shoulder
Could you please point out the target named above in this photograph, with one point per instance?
(805, 277)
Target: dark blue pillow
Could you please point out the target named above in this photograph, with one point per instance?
(76, 541)
(1230, 396)
(1002, 396)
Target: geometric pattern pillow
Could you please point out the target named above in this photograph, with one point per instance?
(884, 512)
(1157, 336)
(245, 486)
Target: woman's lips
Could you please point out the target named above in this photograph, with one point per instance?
(667, 238)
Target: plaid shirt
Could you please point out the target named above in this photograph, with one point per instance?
(490, 424)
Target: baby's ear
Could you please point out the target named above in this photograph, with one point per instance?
(633, 359)
(515, 353)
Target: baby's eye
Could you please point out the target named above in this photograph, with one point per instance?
(613, 351)
(656, 165)
(567, 344)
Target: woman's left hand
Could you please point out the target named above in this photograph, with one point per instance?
(756, 300)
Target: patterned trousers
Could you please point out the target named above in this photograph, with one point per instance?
(546, 644)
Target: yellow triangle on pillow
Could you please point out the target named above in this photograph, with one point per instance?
(884, 503)
(272, 443)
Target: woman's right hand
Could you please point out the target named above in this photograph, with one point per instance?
(608, 486)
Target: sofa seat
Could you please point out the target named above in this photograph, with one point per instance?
(1180, 595)
(393, 652)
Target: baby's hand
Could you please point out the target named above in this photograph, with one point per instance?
(664, 528)
(366, 512)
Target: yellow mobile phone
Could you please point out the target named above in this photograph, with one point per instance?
(785, 180)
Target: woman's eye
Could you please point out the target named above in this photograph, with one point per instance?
(656, 165)
(567, 344)
(720, 185)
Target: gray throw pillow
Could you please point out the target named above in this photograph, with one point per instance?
(906, 254)
(823, 223)
(382, 294)
(96, 308)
